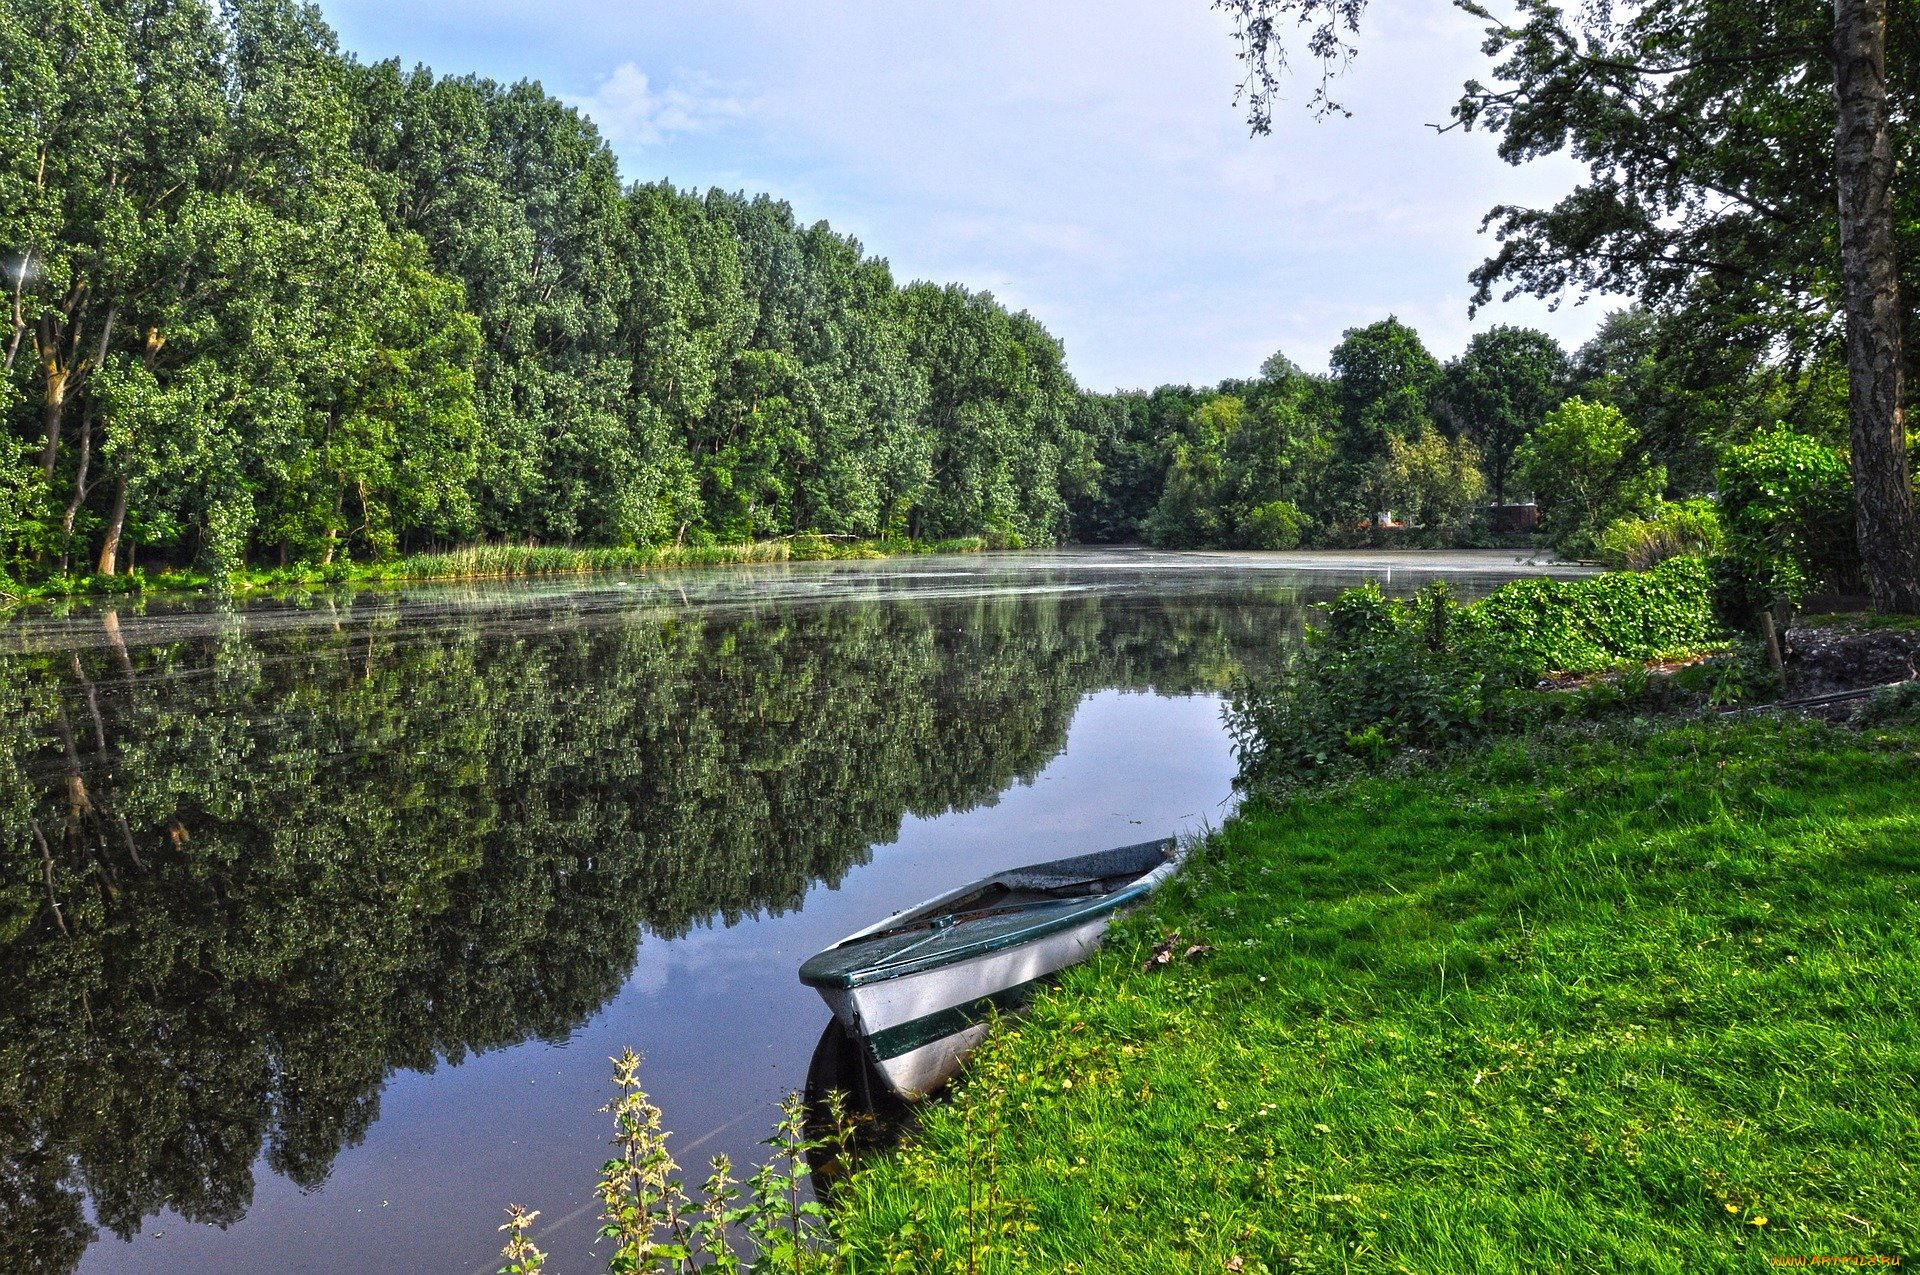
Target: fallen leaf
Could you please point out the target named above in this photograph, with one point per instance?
(1163, 951)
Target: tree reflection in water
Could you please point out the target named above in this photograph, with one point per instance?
(249, 870)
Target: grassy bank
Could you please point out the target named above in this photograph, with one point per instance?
(489, 562)
(1640, 998)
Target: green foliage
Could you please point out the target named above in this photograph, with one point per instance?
(1583, 468)
(1426, 672)
(1432, 481)
(1575, 626)
(1278, 524)
(1691, 393)
(1706, 130)
(1242, 467)
(1381, 676)
(278, 305)
(1608, 999)
(658, 1229)
(1384, 383)
(1787, 504)
(1674, 529)
(1499, 390)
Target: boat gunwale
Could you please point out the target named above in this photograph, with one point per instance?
(1050, 922)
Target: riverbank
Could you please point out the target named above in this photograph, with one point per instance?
(487, 562)
(1633, 997)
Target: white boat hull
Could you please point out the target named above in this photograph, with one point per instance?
(919, 1027)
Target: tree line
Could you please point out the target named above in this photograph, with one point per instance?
(1394, 444)
(269, 304)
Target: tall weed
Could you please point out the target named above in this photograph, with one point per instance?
(659, 1229)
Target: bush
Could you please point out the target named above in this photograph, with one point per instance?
(1687, 528)
(1786, 502)
(1385, 675)
(1583, 467)
(1275, 525)
(1379, 677)
(1578, 626)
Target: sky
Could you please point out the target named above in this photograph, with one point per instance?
(1080, 159)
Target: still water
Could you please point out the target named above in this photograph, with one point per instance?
(321, 916)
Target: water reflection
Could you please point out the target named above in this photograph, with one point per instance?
(252, 864)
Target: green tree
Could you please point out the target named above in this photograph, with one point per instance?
(1717, 134)
(1384, 381)
(1434, 481)
(1583, 466)
(1193, 508)
(1498, 391)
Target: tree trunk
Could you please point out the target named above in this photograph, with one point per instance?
(53, 405)
(1884, 519)
(79, 486)
(116, 522)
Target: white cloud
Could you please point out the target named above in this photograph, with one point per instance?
(631, 113)
(1080, 158)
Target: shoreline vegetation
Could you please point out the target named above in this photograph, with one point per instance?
(477, 330)
(490, 562)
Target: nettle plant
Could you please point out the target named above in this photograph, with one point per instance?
(659, 1229)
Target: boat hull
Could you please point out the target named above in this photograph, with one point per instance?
(919, 1027)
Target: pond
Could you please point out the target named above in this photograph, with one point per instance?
(320, 916)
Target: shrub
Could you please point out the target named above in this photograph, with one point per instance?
(1379, 677)
(1275, 525)
(1578, 626)
(1583, 468)
(1786, 502)
(1686, 528)
(1385, 675)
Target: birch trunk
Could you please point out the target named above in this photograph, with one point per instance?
(116, 523)
(79, 496)
(1884, 519)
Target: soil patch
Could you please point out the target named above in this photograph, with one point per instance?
(1825, 658)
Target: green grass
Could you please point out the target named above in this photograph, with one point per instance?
(1861, 620)
(1598, 1001)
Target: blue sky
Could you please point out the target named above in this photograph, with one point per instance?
(1081, 159)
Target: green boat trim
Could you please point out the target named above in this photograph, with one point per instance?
(906, 1037)
(844, 967)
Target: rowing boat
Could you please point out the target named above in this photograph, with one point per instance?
(917, 988)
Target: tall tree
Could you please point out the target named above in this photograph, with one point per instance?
(1499, 390)
(1384, 381)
